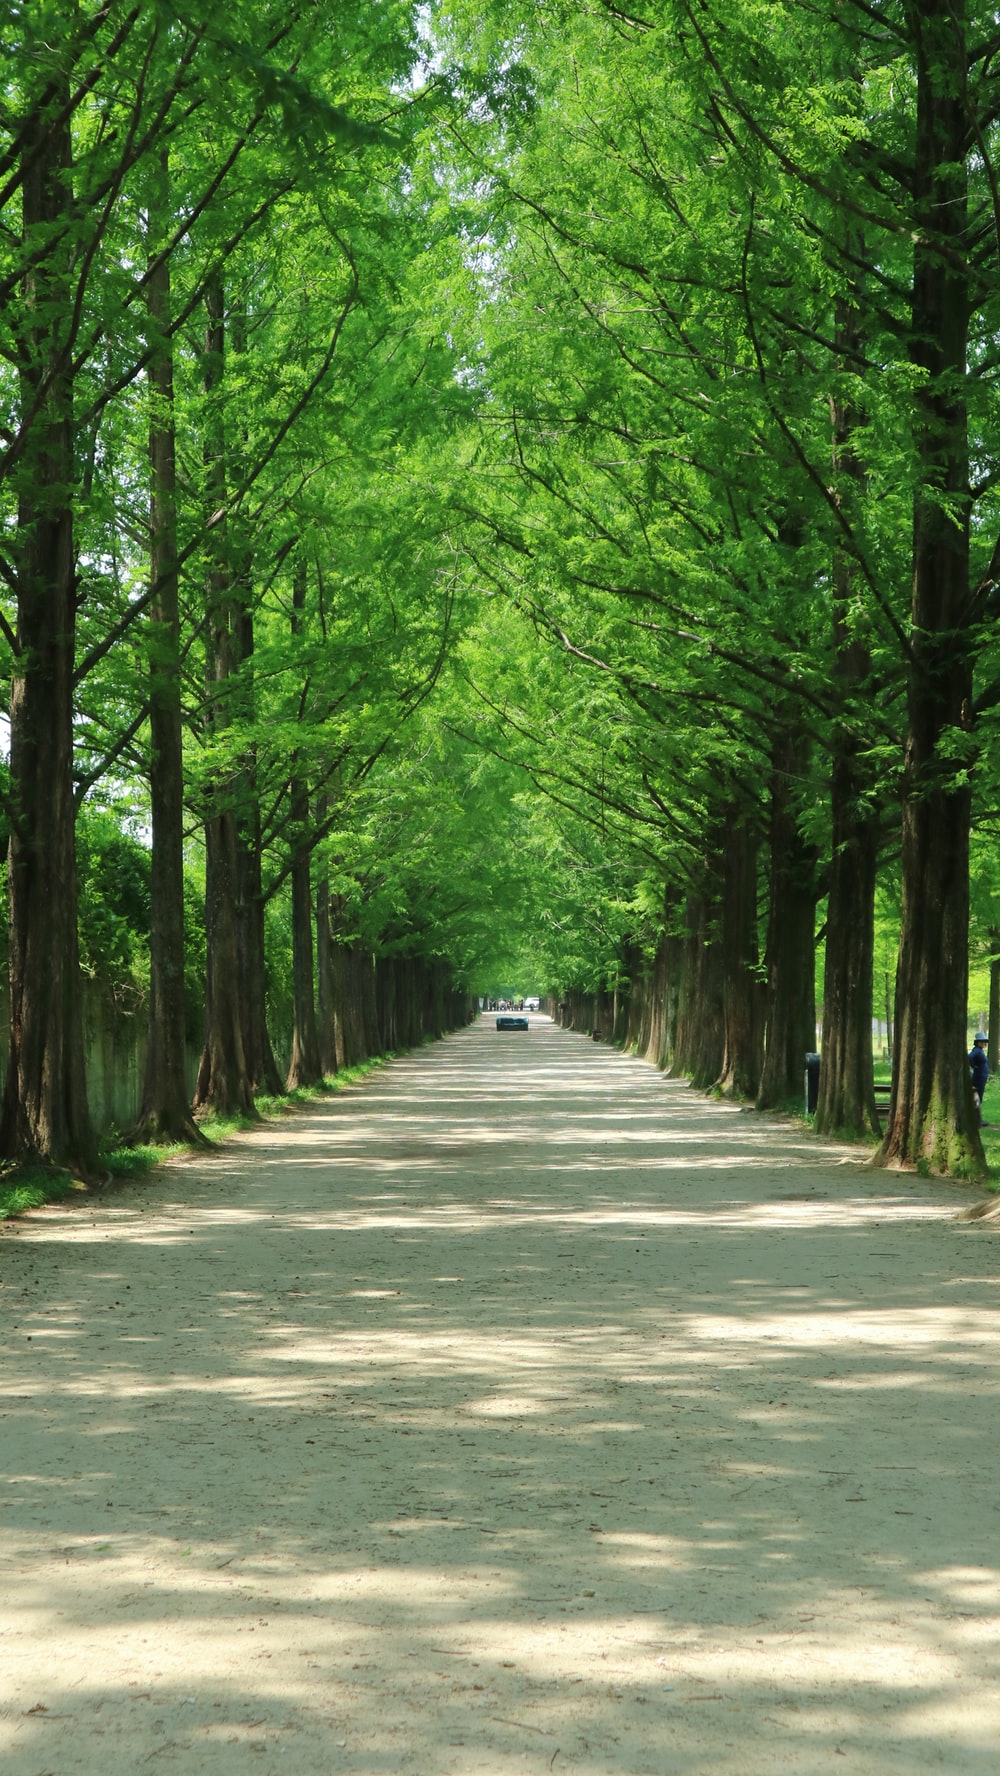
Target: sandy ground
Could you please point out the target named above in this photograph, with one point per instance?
(519, 1411)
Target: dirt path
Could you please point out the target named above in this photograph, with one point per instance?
(520, 1411)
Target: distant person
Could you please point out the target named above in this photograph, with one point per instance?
(979, 1067)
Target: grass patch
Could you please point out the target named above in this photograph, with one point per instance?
(220, 1128)
(135, 1162)
(30, 1187)
(991, 1148)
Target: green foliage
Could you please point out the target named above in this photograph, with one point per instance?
(114, 901)
(511, 532)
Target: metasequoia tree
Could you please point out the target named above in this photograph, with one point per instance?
(44, 1107)
(114, 251)
(165, 1109)
(931, 1116)
(787, 241)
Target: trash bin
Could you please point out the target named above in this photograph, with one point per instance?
(812, 1083)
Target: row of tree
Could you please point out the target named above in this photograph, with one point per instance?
(216, 379)
(735, 289)
(509, 491)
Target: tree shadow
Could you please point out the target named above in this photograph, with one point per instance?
(523, 1410)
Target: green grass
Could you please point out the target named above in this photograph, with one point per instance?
(30, 1187)
(134, 1162)
(991, 1148)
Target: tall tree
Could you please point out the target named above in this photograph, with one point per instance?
(165, 1111)
(45, 1111)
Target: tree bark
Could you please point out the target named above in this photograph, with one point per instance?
(741, 995)
(993, 1027)
(700, 1041)
(790, 1030)
(224, 1085)
(931, 1115)
(261, 1066)
(304, 1068)
(45, 1114)
(846, 1103)
(325, 977)
(165, 1110)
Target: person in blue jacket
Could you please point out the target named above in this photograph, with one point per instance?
(979, 1067)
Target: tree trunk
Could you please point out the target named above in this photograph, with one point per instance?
(846, 1103)
(340, 986)
(659, 1031)
(165, 1110)
(699, 1046)
(353, 1005)
(741, 997)
(791, 945)
(45, 1114)
(993, 1026)
(325, 979)
(223, 1079)
(305, 1067)
(261, 1066)
(387, 1000)
(931, 1117)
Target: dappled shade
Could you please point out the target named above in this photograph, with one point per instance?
(520, 1403)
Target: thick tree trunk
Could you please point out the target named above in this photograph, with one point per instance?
(45, 1114)
(700, 1041)
(349, 1028)
(352, 1004)
(165, 1111)
(223, 1080)
(632, 998)
(661, 987)
(791, 945)
(931, 1118)
(846, 1103)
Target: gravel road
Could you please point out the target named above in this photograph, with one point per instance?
(517, 1411)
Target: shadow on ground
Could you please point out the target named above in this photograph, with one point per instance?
(520, 1410)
